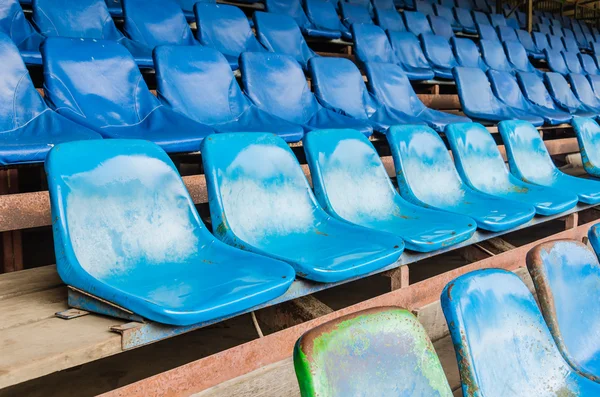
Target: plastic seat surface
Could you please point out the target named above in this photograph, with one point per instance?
(198, 82)
(14, 24)
(293, 8)
(562, 94)
(479, 102)
(145, 248)
(352, 184)
(541, 41)
(481, 18)
(497, 20)
(410, 56)
(555, 43)
(523, 360)
(506, 33)
(118, 105)
(389, 20)
(439, 54)
(424, 7)
(588, 138)
(517, 56)
(396, 359)
(466, 4)
(276, 84)
(570, 44)
(325, 21)
(594, 238)
(530, 47)
(354, 14)
(384, 4)
(482, 168)
(529, 160)
(595, 83)
(427, 176)
(584, 91)
(441, 26)
(494, 56)
(372, 45)
(416, 23)
(463, 16)
(487, 32)
(467, 53)
(566, 274)
(556, 62)
(269, 208)
(446, 12)
(572, 62)
(588, 64)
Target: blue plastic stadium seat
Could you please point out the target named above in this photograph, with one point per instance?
(14, 24)
(271, 210)
(88, 19)
(441, 27)
(467, 54)
(324, 20)
(276, 84)
(512, 22)
(424, 7)
(482, 168)
(354, 14)
(146, 248)
(371, 44)
(187, 6)
(487, 32)
(494, 56)
(410, 56)
(389, 20)
(446, 12)
(588, 137)
(541, 41)
(495, 305)
(562, 94)
(339, 86)
(594, 237)
(391, 88)
(351, 182)
(479, 102)
(506, 33)
(555, 43)
(427, 176)
(584, 91)
(482, 5)
(556, 31)
(226, 29)
(439, 54)
(595, 83)
(466, 4)
(383, 4)
(448, 3)
(416, 23)
(530, 47)
(481, 18)
(198, 82)
(293, 8)
(568, 33)
(280, 33)
(530, 161)
(556, 62)
(570, 44)
(542, 28)
(118, 105)
(498, 20)
(464, 17)
(517, 56)
(572, 62)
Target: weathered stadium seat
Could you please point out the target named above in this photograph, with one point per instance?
(494, 56)
(467, 54)
(269, 208)
(118, 105)
(226, 29)
(541, 41)
(463, 16)
(556, 62)
(322, 17)
(503, 346)
(588, 138)
(483, 6)
(354, 14)
(487, 32)
(572, 62)
(570, 44)
(562, 94)
(384, 4)
(14, 24)
(588, 64)
(594, 237)
(276, 84)
(530, 47)
(424, 7)
(482, 168)
(389, 20)
(529, 160)
(517, 56)
(416, 23)
(439, 54)
(555, 43)
(497, 20)
(446, 12)
(293, 8)
(584, 91)
(145, 247)
(371, 44)
(481, 18)
(506, 33)
(441, 26)
(427, 176)
(410, 56)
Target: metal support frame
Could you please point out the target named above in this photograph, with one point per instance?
(529, 15)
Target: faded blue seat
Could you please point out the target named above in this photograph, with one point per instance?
(424, 7)
(226, 29)
(588, 138)
(541, 41)
(481, 18)
(292, 8)
(28, 128)
(495, 305)
(530, 47)
(464, 17)
(384, 4)
(439, 54)
(561, 92)
(566, 275)
(529, 160)
(482, 168)
(555, 43)
(276, 84)
(14, 24)
(594, 237)
(324, 20)
(595, 83)
(494, 56)
(416, 23)
(588, 64)
(506, 33)
(146, 248)
(118, 105)
(427, 176)
(556, 62)
(467, 54)
(371, 44)
(542, 28)
(354, 14)
(479, 102)
(487, 32)
(466, 4)
(410, 56)
(187, 6)
(281, 34)
(352, 184)
(270, 209)
(389, 20)
(572, 62)
(87, 19)
(497, 20)
(441, 27)
(446, 12)
(391, 88)
(517, 56)
(570, 44)
(198, 82)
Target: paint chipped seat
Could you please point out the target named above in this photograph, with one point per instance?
(496, 327)
(14, 24)
(267, 207)
(530, 161)
(145, 247)
(382, 351)
(588, 138)
(427, 176)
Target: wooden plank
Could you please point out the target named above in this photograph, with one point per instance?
(30, 308)
(28, 281)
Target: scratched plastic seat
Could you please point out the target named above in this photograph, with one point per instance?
(396, 358)
(588, 138)
(198, 82)
(391, 87)
(14, 24)
(117, 105)
(446, 12)
(494, 56)
(354, 14)
(145, 248)
(528, 43)
(226, 29)
(482, 168)
(464, 17)
(517, 57)
(416, 23)
(269, 208)
(561, 92)
(487, 32)
(352, 184)
(588, 64)
(529, 160)
(324, 20)
(584, 91)
(556, 62)
(427, 176)
(479, 102)
(88, 19)
(441, 27)
(495, 305)
(410, 56)
(467, 54)
(389, 20)
(276, 84)
(439, 54)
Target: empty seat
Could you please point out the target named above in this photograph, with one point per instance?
(568, 34)
(88, 19)
(541, 41)
(383, 4)
(556, 62)
(292, 8)
(14, 24)
(517, 56)
(595, 83)
(446, 12)
(588, 138)
(146, 248)
(482, 168)
(439, 54)
(188, 6)
(466, 4)
(354, 14)
(555, 43)
(281, 34)
(441, 27)
(276, 84)
(271, 210)
(226, 29)
(118, 105)
(424, 7)
(481, 18)
(530, 161)
(410, 56)
(371, 44)
(497, 20)
(556, 31)
(495, 305)
(487, 32)
(572, 62)
(570, 44)
(584, 91)
(483, 6)
(416, 23)
(198, 82)
(447, 3)
(542, 28)
(529, 45)
(324, 20)
(494, 56)
(467, 53)
(506, 33)
(479, 102)
(396, 357)
(464, 17)
(563, 95)
(389, 20)
(427, 176)
(588, 64)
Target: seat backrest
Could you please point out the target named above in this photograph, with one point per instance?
(467, 53)
(354, 14)
(555, 42)
(156, 22)
(532, 86)
(416, 22)
(323, 15)
(555, 61)
(389, 20)
(441, 26)
(494, 56)
(487, 32)
(474, 91)
(543, 28)
(448, 3)
(584, 91)
(424, 7)
(280, 33)
(13, 22)
(588, 64)
(507, 33)
(497, 20)
(438, 50)
(293, 8)
(556, 31)
(570, 44)
(572, 62)
(276, 83)
(505, 87)
(444, 12)
(483, 6)
(568, 34)
(588, 137)
(517, 56)
(481, 18)
(384, 4)
(541, 41)
(560, 91)
(465, 4)
(464, 17)
(526, 40)
(395, 358)
(408, 50)
(371, 44)
(82, 82)
(82, 18)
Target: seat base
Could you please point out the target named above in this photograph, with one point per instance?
(84, 301)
